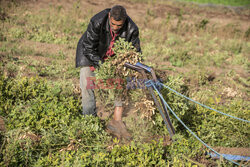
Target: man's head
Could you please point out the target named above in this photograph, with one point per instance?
(117, 17)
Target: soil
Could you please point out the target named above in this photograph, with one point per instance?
(216, 14)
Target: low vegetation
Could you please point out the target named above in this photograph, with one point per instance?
(197, 56)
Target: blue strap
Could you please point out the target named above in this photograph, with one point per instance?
(231, 157)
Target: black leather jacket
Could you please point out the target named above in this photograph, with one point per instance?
(94, 43)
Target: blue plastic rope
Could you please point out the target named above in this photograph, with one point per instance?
(232, 157)
(202, 104)
(153, 84)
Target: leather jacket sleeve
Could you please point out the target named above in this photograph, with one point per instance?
(136, 41)
(91, 43)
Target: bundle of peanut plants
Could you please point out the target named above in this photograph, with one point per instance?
(112, 79)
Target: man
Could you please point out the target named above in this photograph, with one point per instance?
(95, 46)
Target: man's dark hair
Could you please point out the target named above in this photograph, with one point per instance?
(118, 12)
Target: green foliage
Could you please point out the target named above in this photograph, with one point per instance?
(16, 32)
(220, 130)
(139, 155)
(45, 128)
(180, 58)
(185, 146)
(11, 69)
(18, 144)
(203, 23)
(32, 103)
(43, 36)
(178, 104)
(247, 33)
(126, 155)
(55, 147)
(13, 92)
(33, 106)
(210, 126)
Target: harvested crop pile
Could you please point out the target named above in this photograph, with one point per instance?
(112, 79)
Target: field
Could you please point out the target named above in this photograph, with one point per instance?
(200, 50)
(223, 2)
